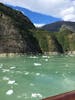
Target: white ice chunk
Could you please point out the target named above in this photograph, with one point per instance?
(5, 70)
(11, 82)
(9, 92)
(56, 72)
(31, 84)
(1, 65)
(33, 57)
(26, 73)
(37, 74)
(34, 95)
(12, 67)
(45, 56)
(46, 59)
(67, 65)
(5, 78)
(37, 64)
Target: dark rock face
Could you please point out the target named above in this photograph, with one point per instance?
(15, 35)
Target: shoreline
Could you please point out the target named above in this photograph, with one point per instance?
(45, 53)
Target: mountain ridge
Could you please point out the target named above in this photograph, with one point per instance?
(55, 27)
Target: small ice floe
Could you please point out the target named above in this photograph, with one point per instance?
(15, 83)
(19, 72)
(66, 65)
(34, 95)
(33, 57)
(37, 74)
(69, 72)
(37, 64)
(9, 92)
(11, 82)
(56, 72)
(31, 84)
(26, 73)
(19, 96)
(46, 59)
(5, 70)
(1, 65)
(12, 67)
(5, 78)
(22, 96)
(45, 56)
(71, 55)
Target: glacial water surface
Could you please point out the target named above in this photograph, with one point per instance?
(36, 77)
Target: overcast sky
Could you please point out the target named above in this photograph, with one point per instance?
(64, 9)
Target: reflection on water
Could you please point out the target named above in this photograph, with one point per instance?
(36, 77)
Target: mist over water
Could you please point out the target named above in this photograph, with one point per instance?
(36, 77)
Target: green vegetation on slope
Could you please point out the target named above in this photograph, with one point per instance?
(47, 41)
(66, 38)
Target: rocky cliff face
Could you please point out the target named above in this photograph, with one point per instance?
(15, 36)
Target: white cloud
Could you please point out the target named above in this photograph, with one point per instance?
(38, 25)
(64, 9)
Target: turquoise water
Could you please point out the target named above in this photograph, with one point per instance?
(36, 77)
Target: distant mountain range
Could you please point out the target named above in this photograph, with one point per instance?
(55, 27)
(36, 18)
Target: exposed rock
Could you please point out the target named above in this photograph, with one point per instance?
(15, 36)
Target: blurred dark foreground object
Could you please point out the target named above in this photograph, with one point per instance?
(64, 96)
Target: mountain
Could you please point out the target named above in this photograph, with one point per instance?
(55, 27)
(36, 18)
(19, 35)
(15, 36)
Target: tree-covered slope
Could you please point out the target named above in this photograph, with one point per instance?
(66, 38)
(47, 41)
